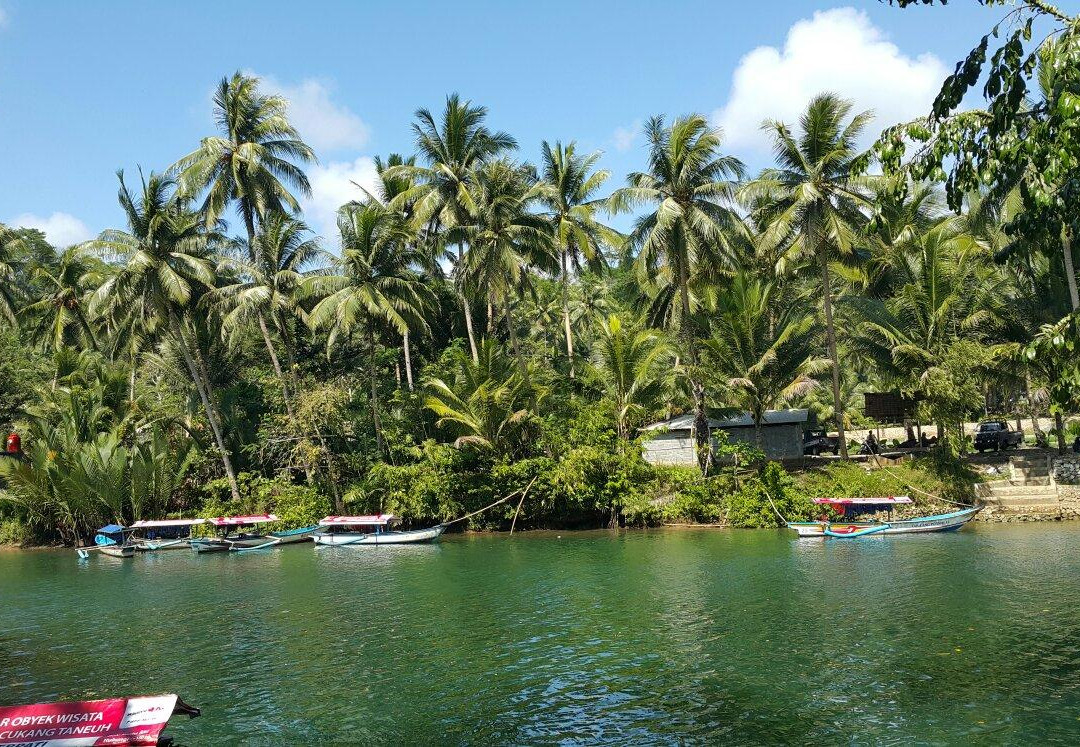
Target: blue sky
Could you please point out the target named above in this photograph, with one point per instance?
(87, 88)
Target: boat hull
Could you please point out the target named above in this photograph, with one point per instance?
(949, 522)
(341, 539)
(161, 545)
(118, 551)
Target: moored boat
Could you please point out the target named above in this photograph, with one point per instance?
(232, 534)
(374, 529)
(852, 528)
(115, 721)
(164, 534)
(113, 540)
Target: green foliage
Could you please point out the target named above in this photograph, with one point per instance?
(295, 505)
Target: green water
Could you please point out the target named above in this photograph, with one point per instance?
(643, 637)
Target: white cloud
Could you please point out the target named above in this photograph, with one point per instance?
(625, 137)
(332, 185)
(837, 50)
(61, 229)
(323, 124)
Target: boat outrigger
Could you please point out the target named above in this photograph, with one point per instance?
(852, 507)
(370, 530)
(113, 540)
(234, 538)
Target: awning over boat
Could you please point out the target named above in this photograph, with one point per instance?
(110, 529)
(374, 519)
(167, 523)
(119, 721)
(235, 521)
(886, 501)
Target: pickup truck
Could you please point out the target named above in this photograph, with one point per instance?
(816, 441)
(997, 435)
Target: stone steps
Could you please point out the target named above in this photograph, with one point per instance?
(1025, 502)
(1027, 489)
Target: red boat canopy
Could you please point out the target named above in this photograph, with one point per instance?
(890, 500)
(167, 523)
(375, 519)
(235, 521)
(118, 721)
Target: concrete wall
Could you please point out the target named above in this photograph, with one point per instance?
(779, 441)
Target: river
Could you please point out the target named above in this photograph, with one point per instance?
(644, 637)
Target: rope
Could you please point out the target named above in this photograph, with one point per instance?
(909, 486)
(504, 499)
(775, 509)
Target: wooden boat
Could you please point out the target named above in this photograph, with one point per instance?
(240, 541)
(164, 534)
(851, 529)
(113, 540)
(339, 531)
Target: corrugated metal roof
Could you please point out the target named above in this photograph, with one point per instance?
(685, 422)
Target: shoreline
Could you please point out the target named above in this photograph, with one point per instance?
(983, 518)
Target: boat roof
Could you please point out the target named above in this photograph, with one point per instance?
(376, 519)
(235, 521)
(111, 529)
(885, 501)
(167, 523)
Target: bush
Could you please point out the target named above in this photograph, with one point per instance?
(296, 505)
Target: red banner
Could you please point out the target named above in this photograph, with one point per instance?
(119, 721)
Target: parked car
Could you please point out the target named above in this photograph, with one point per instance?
(997, 435)
(817, 441)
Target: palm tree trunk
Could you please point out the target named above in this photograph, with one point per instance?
(277, 365)
(374, 390)
(204, 388)
(1070, 271)
(408, 361)
(830, 334)
(1059, 426)
(565, 281)
(702, 434)
(465, 305)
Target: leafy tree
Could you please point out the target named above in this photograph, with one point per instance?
(270, 273)
(505, 238)
(813, 200)
(1055, 355)
(689, 190)
(251, 162)
(485, 403)
(452, 148)
(570, 185)
(631, 366)
(167, 266)
(58, 317)
(377, 285)
(762, 347)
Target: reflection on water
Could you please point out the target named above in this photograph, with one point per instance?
(642, 637)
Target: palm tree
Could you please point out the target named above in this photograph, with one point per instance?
(690, 190)
(9, 243)
(166, 268)
(813, 199)
(59, 314)
(570, 184)
(252, 162)
(378, 285)
(452, 149)
(505, 238)
(630, 365)
(270, 274)
(485, 402)
(762, 346)
(942, 296)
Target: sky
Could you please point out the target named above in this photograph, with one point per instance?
(90, 88)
